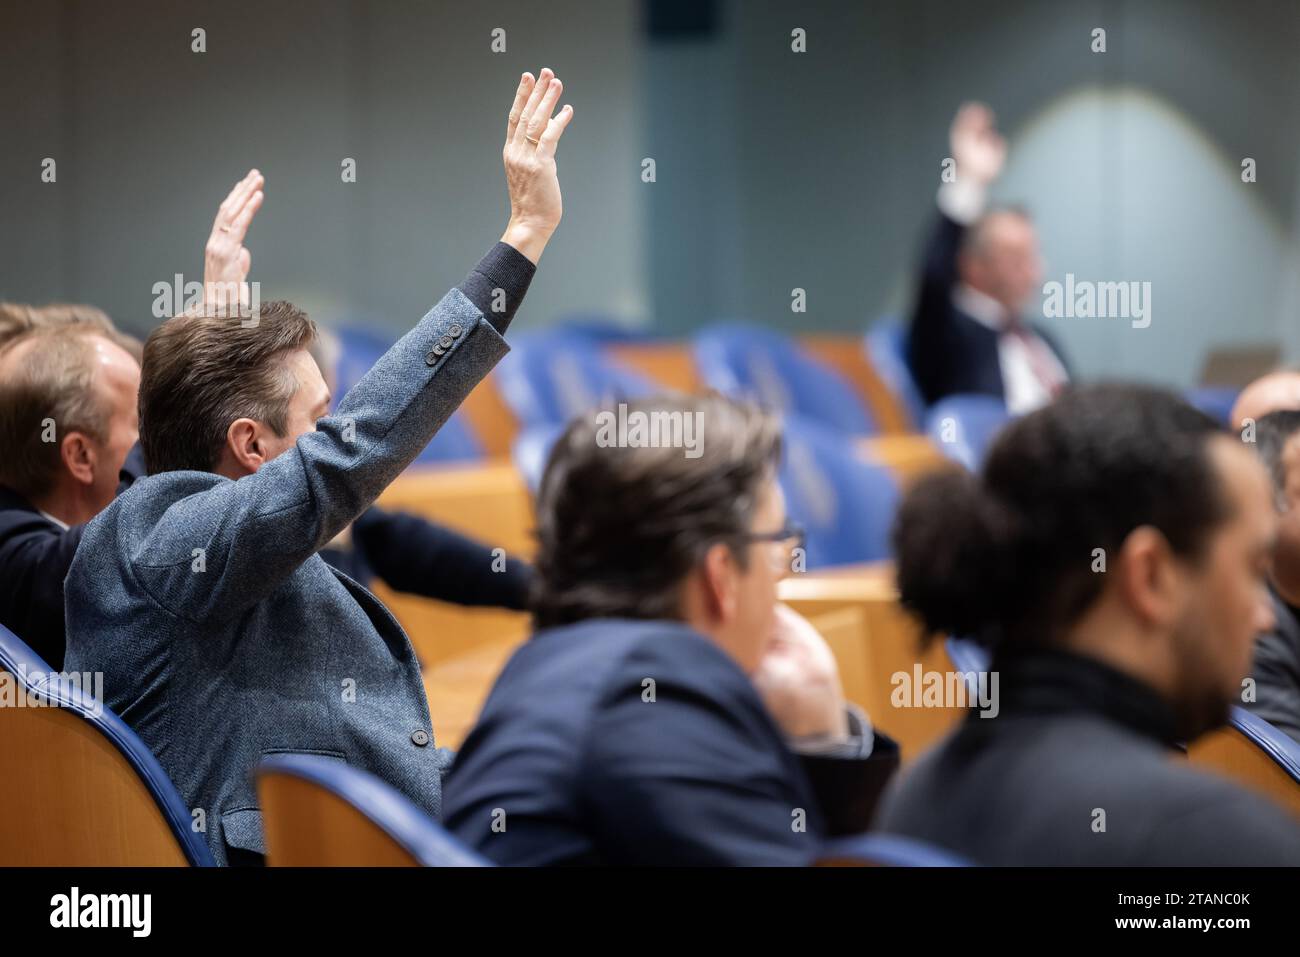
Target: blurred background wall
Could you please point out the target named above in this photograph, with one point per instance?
(774, 169)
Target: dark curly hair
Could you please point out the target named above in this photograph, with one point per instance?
(1007, 556)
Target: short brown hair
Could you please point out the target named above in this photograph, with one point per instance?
(620, 528)
(53, 384)
(204, 369)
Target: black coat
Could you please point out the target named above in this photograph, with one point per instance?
(1075, 740)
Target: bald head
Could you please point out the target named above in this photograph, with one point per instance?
(1275, 392)
(1000, 258)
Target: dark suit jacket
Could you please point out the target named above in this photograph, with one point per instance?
(35, 555)
(1277, 671)
(411, 554)
(580, 768)
(1075, 740)
(950, 351)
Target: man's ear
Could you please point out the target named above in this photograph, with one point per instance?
(79, 456)
(1150, 577)
(245, 445)
(719, 572)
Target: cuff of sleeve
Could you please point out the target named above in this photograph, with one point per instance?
(857, 745)
(498, 283)
(962, 201)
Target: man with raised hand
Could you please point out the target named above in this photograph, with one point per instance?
(980, 271)
(222, 635)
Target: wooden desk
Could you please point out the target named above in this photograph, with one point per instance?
(856, 608)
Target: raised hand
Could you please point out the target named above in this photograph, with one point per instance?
(532, 135)
(798, 680)
(978, 148)
(226, 260)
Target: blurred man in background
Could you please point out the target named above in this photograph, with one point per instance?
(981, 270)
(1276, 670)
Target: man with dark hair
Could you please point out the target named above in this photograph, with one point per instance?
(1276, 671)
(1114, 551)
(67, 428)
(199, 594)
(668, 711)
(980, 270)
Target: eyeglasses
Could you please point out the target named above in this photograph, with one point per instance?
(789, 536)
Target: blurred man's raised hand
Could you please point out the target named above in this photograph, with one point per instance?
(978, 148)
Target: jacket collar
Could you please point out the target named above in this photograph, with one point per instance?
(12, 501)
(1051, 681)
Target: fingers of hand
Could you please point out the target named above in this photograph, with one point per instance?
(517, 108)
(534, 100)
(239, 225)
(550, 137)
(538, 119)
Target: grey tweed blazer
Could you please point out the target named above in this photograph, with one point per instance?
(223, 637)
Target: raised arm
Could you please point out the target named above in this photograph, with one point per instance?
(254, 532)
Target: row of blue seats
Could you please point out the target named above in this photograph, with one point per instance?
(845, 504)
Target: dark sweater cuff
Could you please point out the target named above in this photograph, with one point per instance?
(506, 269)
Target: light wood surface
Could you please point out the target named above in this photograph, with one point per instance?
(1230, 753)
(307, 826)
(70, 799)
(887, 642)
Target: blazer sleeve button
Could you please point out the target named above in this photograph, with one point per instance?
(419, 737)
(431, 358)
(454, 330)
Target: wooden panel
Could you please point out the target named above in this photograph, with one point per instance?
(890, 642)
(307, 826)
(440, 631)
(70, 799)
(1228, 752)
(669, 364)
(907, 456)
(845, 631)
(491, 419)
(489, 502)
(457, 688)
(848, 356)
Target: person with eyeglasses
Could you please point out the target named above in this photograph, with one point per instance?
(668, 710)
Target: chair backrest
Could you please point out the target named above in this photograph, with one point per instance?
(963, 426)
(81, 789)
(320, 812)
(1253, 753)
(886, 345)
(551, 376)
(886, 850)
(753, 362)
(360, 349)
(530, 451)
(845, 503)
(1214, 401)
